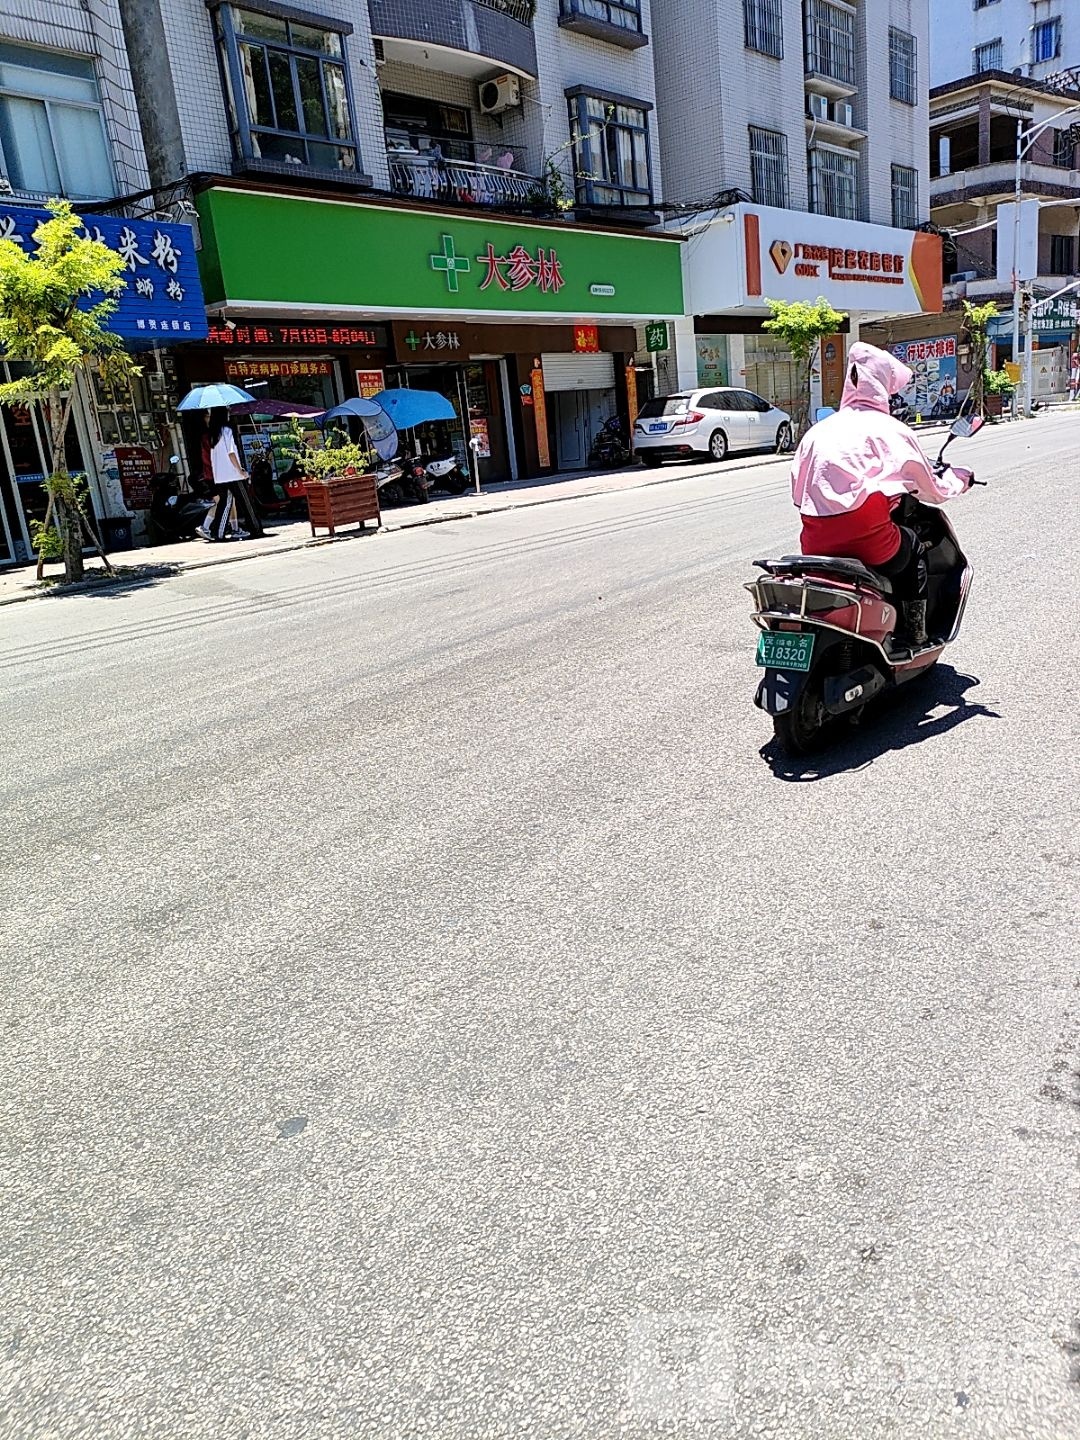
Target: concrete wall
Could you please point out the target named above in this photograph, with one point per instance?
(957, 28)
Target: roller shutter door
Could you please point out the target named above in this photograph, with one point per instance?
(579, 372)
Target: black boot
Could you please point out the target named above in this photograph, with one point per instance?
(914, 612)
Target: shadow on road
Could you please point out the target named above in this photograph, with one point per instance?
(905, 717)
(123, 579)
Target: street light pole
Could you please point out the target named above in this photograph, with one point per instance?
(1016, 261)
(1023, 145)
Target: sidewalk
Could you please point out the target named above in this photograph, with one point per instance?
(159, 561)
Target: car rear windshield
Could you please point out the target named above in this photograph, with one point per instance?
(666, 405)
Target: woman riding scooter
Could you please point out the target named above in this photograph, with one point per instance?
(851, 472)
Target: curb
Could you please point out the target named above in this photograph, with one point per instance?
(134, 574)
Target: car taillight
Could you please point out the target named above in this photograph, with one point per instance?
(691, 418)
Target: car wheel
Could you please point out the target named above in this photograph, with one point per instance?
(650, 460)
(718, 446)
(783, 439)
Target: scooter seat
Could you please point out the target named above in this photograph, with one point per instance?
(840, 566)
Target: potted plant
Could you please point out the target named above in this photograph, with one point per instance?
(339, 480)
(997, 388)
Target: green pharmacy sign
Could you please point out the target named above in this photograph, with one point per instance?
(340, 256)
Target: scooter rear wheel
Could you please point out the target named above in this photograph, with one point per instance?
(804, 728)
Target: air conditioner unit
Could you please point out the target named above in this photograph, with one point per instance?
(502, 93)
(844, 114)
(963, 276)
(818, 106)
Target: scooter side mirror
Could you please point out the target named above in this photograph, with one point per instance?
(965, 426)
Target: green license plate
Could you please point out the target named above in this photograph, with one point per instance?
(785, 649)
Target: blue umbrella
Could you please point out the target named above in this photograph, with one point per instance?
(414, 407)
(214, 397)
(380, 428)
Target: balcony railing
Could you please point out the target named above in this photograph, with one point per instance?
(496, 179)
(521, 10)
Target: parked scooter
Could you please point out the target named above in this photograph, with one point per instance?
(447, 475)
(174, 511)
(402, 481)
(609, 448)
(828, 641)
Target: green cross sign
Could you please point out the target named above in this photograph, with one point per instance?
(449, 263)
(412, 340)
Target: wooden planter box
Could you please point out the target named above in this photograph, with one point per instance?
(342, 500)
(994, 405)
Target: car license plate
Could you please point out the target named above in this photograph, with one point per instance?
(654, 428)
(785, 649)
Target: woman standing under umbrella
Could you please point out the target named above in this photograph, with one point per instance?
(228, 473)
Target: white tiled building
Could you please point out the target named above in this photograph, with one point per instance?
(802, 106)
(1032, 39)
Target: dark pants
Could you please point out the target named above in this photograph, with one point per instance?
(907, 568)
(218, 520)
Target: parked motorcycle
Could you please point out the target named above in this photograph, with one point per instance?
(828, 641)
(174, 512)
(609, 448)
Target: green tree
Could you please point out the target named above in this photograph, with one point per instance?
(55, 303)
(802, 325)
(977, 325)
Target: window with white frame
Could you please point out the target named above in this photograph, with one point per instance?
(903, 69)
(834, 183)
(769, 167)
(290, 93)
(763, 27)
(52, 129)
(611, 146)
(905, 197)
(1045, 40)
(988, 56)
(830, 41)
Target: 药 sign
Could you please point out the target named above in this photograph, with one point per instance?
(656, 336)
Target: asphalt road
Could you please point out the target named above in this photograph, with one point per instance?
(431, 1009)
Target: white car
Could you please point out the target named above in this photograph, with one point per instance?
(708, 422)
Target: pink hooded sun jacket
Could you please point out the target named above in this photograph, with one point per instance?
(862, 450)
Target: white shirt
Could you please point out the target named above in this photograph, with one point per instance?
(222, 467)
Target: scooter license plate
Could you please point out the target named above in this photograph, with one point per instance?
(785, 649)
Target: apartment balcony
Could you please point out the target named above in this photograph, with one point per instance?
(475, 175)
(618, 22)
(985, 184)
(458, 37)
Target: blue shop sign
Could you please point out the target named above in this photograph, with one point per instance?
(163, 301)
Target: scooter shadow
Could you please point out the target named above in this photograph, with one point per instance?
(898, 720)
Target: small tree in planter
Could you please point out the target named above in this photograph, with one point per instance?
(47, 323)
(802, 326)
(339, 456)
(340, 486)
(998, 388)
(977, 326)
